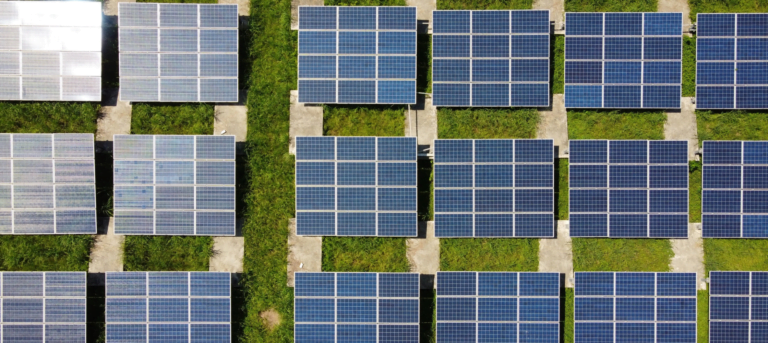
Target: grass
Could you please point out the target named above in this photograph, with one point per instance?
(732, 125)
(568, 323)
(166, 253)
(341, 120)
(561, 189)
(364, 254)
(735, 254)
(616, 124)
(703, 316)
(48, 117)
(610, 6)
(689, 66)
(489, 254)
(484, 5)
(694, 192)
(483, 123)
(621, 255)
(557, 64)
(726, 6)
(181, 119)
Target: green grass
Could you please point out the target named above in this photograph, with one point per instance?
(694, 191)
(689, 66)
(489, 254)
(182, 119)
(726, 6)
(732, 125)
(610, 6)
(171, 253)
(48, 117)
(484, 5)
(561, 190)
(483, 123)
(45, 253)
(363, 121)
(617, 124)
(703, 316)
(735, 254)
(557, 64)
(621, 255)
(182, 1)
(364, 254)
(568, 323)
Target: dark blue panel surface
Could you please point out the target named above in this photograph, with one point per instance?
(583, 72)
(752, 97)
(628, 201)
(635, 332)
(722, 152)
(663, 24)
(315, 173)
(627, 176)
(461, 175)
(397, 67)
(356, 173)
(635, 309)
(456, 283)
(356, 224)
(497, 283)
(490, 175)
(716, 24)
(715, 97)
(662, 72)
(752, 49)
(528, 46)
(589, 225)
(585, 48)
(661, 96)
(529, 70)
(317, 91)
(594, 283)
(643, 284)
(490, 94)
(453, 150)
(715, 73)
(676, 309)
(317, 18)
(752, 24)
(593, 309)
(398, 333)
(451, 70)
(729, 308)
(357, 67)
(450, 94)
(397, 18)
(755, 226)
(728, 332)
(314, 310)
(494, 200)
(535, 175)
(584, 23)
(450, 46)
(315, 223)
(624, 24)
(533, 200)
(668, 225)
(721, 226)
(453, 200)
(622, 48)
(721, 201)
(356, 333)
(497, 309)
(397, 148)
(722, 176)
(676, 332)
(589, 200)
(356, 148)
(397, 92)
(456, 309)
(622, 72)
(357, 92)
(357, 42)
(662, 48)
(533, 150)
(397, 199)
(583, 96)
(490, 46)
(529, 22)
(315, 148)
(668, 152)
(496, 332)
(629, 152)
(490, 22)
(314, 284)
(594, 332)
(451, 21)
(397, 43)
(453, 225)
(399, 310)
(493, 150)
(456, 332)
(357, 18)
(490, 70)
(628, 225)
(621, 96)
(356, 284)
(668, 176)
(588, 151)
(317, 66)
(317, 42)
(529, 95)
(715, 49)
(539, 309)
(752, 73)
(315, 198)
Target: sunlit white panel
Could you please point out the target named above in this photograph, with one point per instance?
(81, 88)
(81, 63)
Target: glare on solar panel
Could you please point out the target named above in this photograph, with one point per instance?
(361, 55)
(623, 60)
(628, 188)
(731, 61)
(174, 185)
(178, 52)
(738, 303)
(507, 64)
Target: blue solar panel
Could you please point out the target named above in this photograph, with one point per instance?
(167, 306)
(383, 305)
(506, 51)
(731, 65)
(635, 307)
(737, 311)
(494, 188)
(623, 60)
(734, 190)
(628, 188)
(356, 186)
(357, 55)
(496, 306)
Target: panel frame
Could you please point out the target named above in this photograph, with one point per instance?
(749, 296)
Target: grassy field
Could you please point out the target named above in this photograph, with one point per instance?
(610, 6)
(735, 254)
(703, 317)
(557, 64)
(732, 125)
(363, 120)
(561, 189)
(694, 192)
(364, 254)
(186, 119)
(689, 66)
(48, 117)
(616, 124)
(484, 5)
(173, 253)
(726, 6)
(484, 123)
(613, 254)
(568, 323)
(489, 254)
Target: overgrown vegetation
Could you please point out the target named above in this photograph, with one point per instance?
(689, 66)
(694, 192)
(48, 117)
(179, 119)
(487, 123)
(703, 316)
(364, 254)
(621, 255)
(735, 254)
(732, 125)
(616, 124)
(489, 254)
(610, 6)
(342, 120)
(45, 252)
(568, 323)
(726, 6)
(557, 64)
(561, 188)
(484, 5)
(171, 253)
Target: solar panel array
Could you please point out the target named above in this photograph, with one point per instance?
(623, 60)
(738, 307)
(178, 52)
(174, 185)
(731, 61)
(628, 188)
(356, 186)
(50, 50)
(498, 307)
(168, 307)
(494, 188)
(735, 189)
(357, 55)
(47, 184)
(490, 58)
(43, 307)
(356, 307)
(635, 307)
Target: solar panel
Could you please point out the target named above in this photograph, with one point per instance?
(168, 307)
(490, 58)
(50, 51)
(357, 55)
(356, 307)
(356, 186)
(178, 52)
(635, 307)
(494, 188)
(47, 184)
(732, 61)
(628, 188)
(734, 189)
(498, 307)
(738, 304)
(174, 185)
(43, 306)
(623, 60)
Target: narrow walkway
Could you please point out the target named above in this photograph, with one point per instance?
(305, 254)
(556, 11)
(682, 126)
(295, 10)
(689, 255)
(677, 6)
(421, 122)
(424, 10)
(554, 124)
(232, 119)
(243, 6)
(107, 250)
(423, 252)
(556, 254)
(227, 255)
(305, 120)
(114, 116)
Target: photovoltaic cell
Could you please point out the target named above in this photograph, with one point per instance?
(734, 190)
(168, 306)
(359, 307)
(738, 305)
(507, 64)
(494, 188)
(178, 52)
(496, 306)
(731, 62)
(50, 51)
(356, 186)
(635, 307)
(623, 60)
(628, 188)
(174, 185)
(360, 55)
